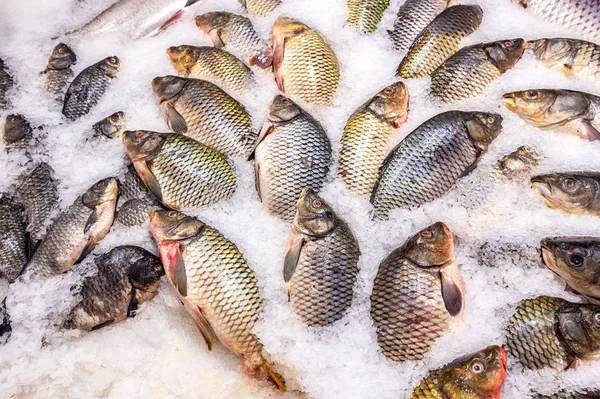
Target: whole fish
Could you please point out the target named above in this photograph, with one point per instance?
(582, 17)
(430, 160)
(518, 165)
(577, 193)
(547, 332)
(135, 18)
(237, 33)
(88, 87)
(215, 283)
(366, 14)
(418, 294)
(6, 84)
(76, 231)
(131, 186)
(367, 136)
(303, 62)
(126, 277)
(179, 171)
(293, 153)
(412, 17)
(13, 240)
(321, 263)
(569, 395)
(470, 71)
(136, 212)
(479, 375)
(571, 57)
(441, 39)
(260, 7)
(567, 110)
(58, 72)
(110, 126)
(213, 64)
(204, 112)
(16, 132)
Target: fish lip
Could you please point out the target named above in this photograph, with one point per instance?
(541, 186)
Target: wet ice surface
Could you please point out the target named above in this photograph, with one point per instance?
(159, 353)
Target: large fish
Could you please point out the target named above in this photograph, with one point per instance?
(546, 332)
(136, 211)
(321, 263)
(479, 375)
(58, 72)
(204, 112)
(179, 171)
(110, 126)
(430, 160)
(569, 395)
(260, 7)
(293, 153)
(577, 193)
(418, 294)
(440, 40)
(125, 278)
(13, 239)
(470, 71)
(367, 135)
(88, 87)
(412, 17)
(76, 231)
(364, 15)
(303, 62)
(216, 285)
(6, 84)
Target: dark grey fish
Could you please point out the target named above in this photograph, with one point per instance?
(6, 83)
(58, 72)
(131, 186)
(16, 132)
(13, 240)
(110, 126)
(136, 212)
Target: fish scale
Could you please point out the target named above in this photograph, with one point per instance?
(580, 59)
(412, 17)
(260, 7)
(366, 14)
(136, 212)
(13, 241)
(57, 80)
(6, 84)
(131, 186)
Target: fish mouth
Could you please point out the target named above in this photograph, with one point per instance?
(509, 101)
(541, 186)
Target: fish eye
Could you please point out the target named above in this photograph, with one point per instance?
(172, 214)
(113, 60)
(139, 133)
(285, 100)
(508, 43)
(317, 203)
(388, 90)
(490, 119)
(477, 367)
(426, 233)
(114, 118)
(13, 119)
(100, 184)
(597, 317)
(576, 260)
(61, 50)
(569, 183)
(531, 94)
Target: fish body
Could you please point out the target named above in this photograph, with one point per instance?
(6, 84)
(16, 132)
(571, 57)
(412, 17)
(366, 14)
(204, 112)
(577, 193)
(440, 40)
(58, 72)
(131, 186)
(88, 87)
(304, 63)
(260, 7)
(136, 212)
(470, 71)
(321, 263)
(367, 135)
(293, 153)
(431, 159)
(418, 295)
(569, 395)
(13, 239)
(547, 332)
(179, 171)
(110, 126)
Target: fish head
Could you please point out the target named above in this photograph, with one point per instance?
(183, 58)
(212, 20)
(551, 51)
(168, 226)
(145, 272)
(391, 104)
(522, 161)
(286, 27)
(110, 66)
(484, 127)
(478, 375)
(506, 53)
(432, 246)
(579, 327)
(15, 128)
(313, 216)
(546, 107)
(569, 192)
(103, 191)
(112, 125)
(142, 144)
(61, 57)
(167, 87)
(283, 109)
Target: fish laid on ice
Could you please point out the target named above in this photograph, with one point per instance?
(577, 193)
(110, 126)
(58, 72)
(366, 14)
(412, 17)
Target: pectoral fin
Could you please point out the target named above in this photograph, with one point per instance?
(175, 269)
(588, 132)
(292, 255)
(452, 295)
(266, 129)
(141, 167)
(91, 221)
(133, 304)
(216, 38)
(174, 119)
(257, 177)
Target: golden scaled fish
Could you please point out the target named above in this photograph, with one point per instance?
(366, 14)
(577, 193)
(260, 7)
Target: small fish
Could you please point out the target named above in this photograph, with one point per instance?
(569, 395)
(204, 112)
(131, 186)
(136, 212)
(260, 7)
(440, 40)
(6, 84)
(58, 72)
(88, 87)
(126, 277)
(546, 332)
(293, 153)
(366, 14)
(470, 71)
(216, 285)
(179, 171)
(572, 111)
(213, 64)
(76, 231)
(418, 294)
(304, 63)
(13, 239)
(321, 263)
(367, 136)
(237, 33)
(518, 165)
(16, 132)
(110, 126)
(577, 193)
(479, 375)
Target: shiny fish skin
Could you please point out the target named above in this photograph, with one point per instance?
(412, 17)
(179, 171)
(304, 63)
(470, 71)
(204, 112)
(366, 14)
(293, 153)
(58, 72)
(577, 193)
(571, 57)
(13, 240)
(136, 212)
(126, 277)
(367, 135)
(131, 186)
(321, 263)
(6, 84)
(88, 87)
(260, 7)
(110, 126)
(417, 295)
(212, 64)
(410, 176)
(546, 332)
(569, 395)
(440, 40)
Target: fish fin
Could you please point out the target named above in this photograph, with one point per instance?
(176, 269)
(278, 52)
(202, 324)
(133, 304)
(266, 129)
(257, 177)
(274, 377)
(216, 38)
(453, 297)
(148, 178)
(86, 250)
(588, 131)
(292, 254)
(176, 17)
(574, 364)
(175, 120)
(190, 2)
(91, 221)
(102, 325)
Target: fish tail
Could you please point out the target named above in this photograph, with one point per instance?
(274, 376)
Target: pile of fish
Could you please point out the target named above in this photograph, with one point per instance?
(418, 294)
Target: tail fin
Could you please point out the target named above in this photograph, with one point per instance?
(274, 377)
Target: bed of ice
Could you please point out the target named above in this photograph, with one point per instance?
(159, 353)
